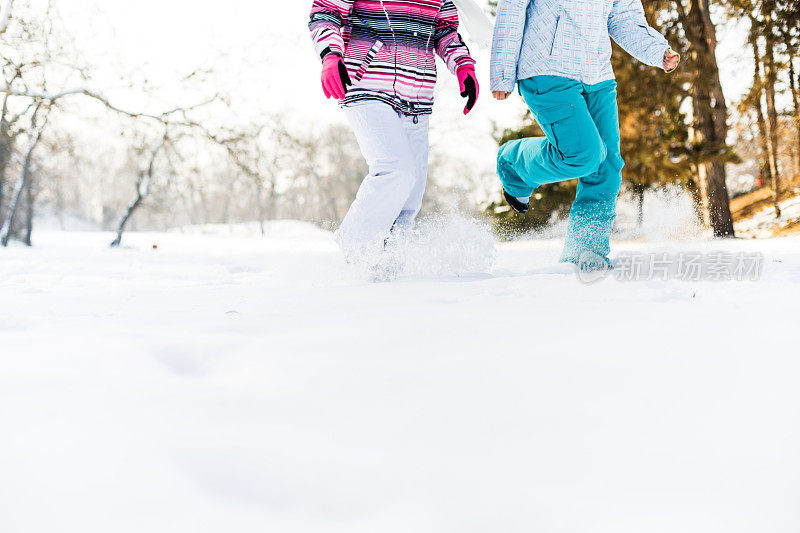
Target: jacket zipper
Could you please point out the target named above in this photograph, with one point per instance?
(427, 44)
(394, 38)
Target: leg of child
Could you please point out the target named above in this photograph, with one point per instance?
(593, 212)
(417, 134)
(572, 147)
(383, 193)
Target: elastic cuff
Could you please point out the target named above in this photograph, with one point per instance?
(674, 52)
(503, 87)
(463, 62)
(328, 51)
(660, 64)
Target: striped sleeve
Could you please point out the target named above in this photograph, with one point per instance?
(327, 20)
(449, 44)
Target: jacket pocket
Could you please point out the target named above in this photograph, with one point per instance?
(550, 115)
(370, 57)
(556, 34)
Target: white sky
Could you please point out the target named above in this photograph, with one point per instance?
(270, 50)
(263, 52)
(262, 49)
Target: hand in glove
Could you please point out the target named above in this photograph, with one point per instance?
(468, 83)
(334, 77)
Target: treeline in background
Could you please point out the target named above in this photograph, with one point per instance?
(68, 150)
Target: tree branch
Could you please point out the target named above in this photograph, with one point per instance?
(55, 96)
(142, 188)
(5, 16)
(35, 136)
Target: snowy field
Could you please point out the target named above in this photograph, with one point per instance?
(764, 223)
(233, 383)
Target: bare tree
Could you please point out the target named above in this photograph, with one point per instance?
(328, 169)
(34, 136)
(143, 182)
(5, 16)
(770, 80)
(248, 154)
(756, 96)
(34, 60)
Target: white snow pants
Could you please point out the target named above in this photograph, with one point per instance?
(395, 147)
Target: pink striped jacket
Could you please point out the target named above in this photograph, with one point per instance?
(388, 47)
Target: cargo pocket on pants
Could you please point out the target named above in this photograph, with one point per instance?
(560, 120)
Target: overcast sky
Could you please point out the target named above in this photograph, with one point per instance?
(266, 42)
(262, 50)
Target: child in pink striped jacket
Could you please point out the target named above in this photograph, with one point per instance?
(378, 61)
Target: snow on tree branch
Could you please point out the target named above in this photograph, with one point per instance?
(54, 96)
(5, 16)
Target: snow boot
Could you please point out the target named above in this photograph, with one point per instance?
(517, 205)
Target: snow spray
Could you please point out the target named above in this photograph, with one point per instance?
(669, 215)
(446, 245)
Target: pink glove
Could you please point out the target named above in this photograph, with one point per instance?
(468, 83)
(334, 77)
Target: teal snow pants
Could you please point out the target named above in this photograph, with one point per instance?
(581, 125)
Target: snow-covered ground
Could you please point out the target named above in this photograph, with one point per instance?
(225, 381)
(764, 223)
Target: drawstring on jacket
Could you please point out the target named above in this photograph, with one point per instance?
(394, 38)
(427, 47)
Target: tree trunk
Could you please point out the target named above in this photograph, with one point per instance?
(142, 190)
(758, 93)
(35, 136)
(638, 191)
(770, 80)
(693, 188)
(6, 144)
(262, 214)
(8, 224)
(2, 196)
(710, 110)
(272, 205)
(796, 108)
(142, 187)
(29, 200)
(6, 15)
(703, 197)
